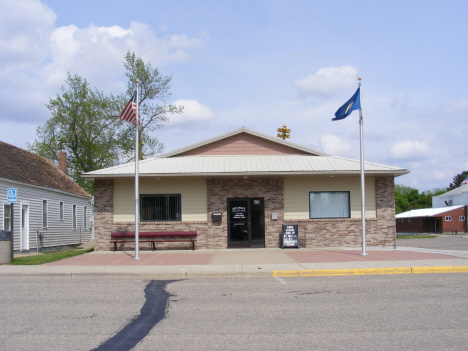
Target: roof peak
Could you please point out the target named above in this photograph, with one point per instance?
(240, 131)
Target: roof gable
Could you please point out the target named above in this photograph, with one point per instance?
(25, 167)
(243, 141)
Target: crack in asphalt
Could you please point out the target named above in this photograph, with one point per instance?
(153, 310)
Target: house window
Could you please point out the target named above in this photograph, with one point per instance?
(74, 217)
(160, 208)
(44, 213)
(84, 217)
(329, 204)
(461, 218)
(61, 211)
(448, 218)
(7, 217)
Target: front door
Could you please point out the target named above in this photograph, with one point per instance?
(24, 227)
(246, 227)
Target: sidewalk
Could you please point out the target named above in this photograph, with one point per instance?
(182, 264)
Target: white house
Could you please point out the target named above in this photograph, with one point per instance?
(38, 198)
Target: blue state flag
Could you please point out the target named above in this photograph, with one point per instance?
(352, 104)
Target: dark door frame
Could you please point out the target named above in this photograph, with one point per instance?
(248, 243)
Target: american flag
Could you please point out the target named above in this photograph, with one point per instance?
(129, 112)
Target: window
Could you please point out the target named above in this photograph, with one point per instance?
(461, 218)
(61, 211)
(7, 217)
(329, 204)
(160, 208)
(448, 218)
(74, 217)
(44, 213)
(84, 217)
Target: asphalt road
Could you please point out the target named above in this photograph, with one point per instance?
(388, 312)
(456, 242)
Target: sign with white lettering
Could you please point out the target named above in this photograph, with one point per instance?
(290, 236)
(11, 195)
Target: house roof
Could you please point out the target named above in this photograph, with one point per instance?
(427, 212)
(301, 149)
(25, 167)
(252, 165)
(457, 191)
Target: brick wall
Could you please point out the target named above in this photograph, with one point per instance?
(219, 190)
(103, 213)
(380, 231)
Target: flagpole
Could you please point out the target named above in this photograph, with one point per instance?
(137, 195)
(363, 197)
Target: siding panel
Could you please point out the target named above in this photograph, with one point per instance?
(193, 196)
(296, 194)
(58, 232)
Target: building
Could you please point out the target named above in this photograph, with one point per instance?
(238, 189)
(39, 198)
(451, 219)
(454, 197)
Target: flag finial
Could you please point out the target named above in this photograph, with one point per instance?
(359, 78)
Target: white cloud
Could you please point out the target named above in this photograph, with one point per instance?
(331, 144)
(400, 101)
(25, 26)
(327, 82)
(194, 114)
(36, 56)
(410, 150)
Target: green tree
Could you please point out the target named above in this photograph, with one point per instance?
(152, 96)
(457, 180)
(85, 122)
(407, 198)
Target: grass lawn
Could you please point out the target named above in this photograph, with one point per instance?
(417, 237)
(48, 257)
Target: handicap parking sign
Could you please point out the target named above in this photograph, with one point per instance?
(11, 195)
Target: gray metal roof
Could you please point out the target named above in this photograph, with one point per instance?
(457, 191)
(426, 212)
(244, 165)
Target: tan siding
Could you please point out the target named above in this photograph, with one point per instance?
(296, 194)
(193, 195)
(243, 144)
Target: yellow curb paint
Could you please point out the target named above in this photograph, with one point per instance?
(285, 274)
(447, 269)
(370, 271)
(358, 271)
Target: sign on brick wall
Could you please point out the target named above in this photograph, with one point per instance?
(290, 236)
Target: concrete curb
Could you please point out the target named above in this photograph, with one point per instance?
(371, 271)
(213, 275)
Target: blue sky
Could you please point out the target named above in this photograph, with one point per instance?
(260, 64)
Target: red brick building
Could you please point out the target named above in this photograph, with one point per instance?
(238, 189)
(451, 219)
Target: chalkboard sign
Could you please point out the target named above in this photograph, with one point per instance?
(290, 236)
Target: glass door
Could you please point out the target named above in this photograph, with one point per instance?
(246, 227)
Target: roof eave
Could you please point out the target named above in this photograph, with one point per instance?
(242, 174)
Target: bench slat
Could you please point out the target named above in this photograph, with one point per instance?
(152, 234)
(186, 236)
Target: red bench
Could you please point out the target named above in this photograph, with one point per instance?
(154, 237)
